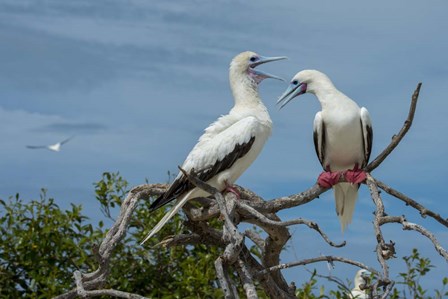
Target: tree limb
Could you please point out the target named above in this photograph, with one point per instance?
(323, 258)
(409, 201)
(397, 138)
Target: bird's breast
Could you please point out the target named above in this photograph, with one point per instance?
(344, 142)
(261, 133)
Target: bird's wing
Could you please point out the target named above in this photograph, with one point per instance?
(367, 134)
(66, 140)
(319, 137)
(211, 156)
(36, 146)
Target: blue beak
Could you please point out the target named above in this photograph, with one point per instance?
(262, 60)
(294, 90)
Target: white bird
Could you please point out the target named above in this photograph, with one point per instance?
(52, 147)
(342, 138)
(230, 144)
(360, 279)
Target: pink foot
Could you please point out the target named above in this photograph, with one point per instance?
(355, 176)
(230, 188)
(328, 179)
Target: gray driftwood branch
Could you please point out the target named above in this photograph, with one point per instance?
(251, 208)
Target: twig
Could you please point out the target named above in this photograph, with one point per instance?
(388, 289)
(397, 138)
(113, 293)
(182, 239)
(382, 250)
(418, 228)
(97, 278)
(408, 201)
(310, 224)
(269, 285)
(323, 258)
(332, 279)
(255, 237)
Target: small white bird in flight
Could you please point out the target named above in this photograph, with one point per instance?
(342, 138)
(230, 144)
(52, 147)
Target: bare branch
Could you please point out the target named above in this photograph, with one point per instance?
(96, 279)
(246, 280)
(267, 282)
(286, 202)
(383, 251)
(397, 138)
(423, 211)
(224, 280)
(336, 280)
(323, 258)
(182, 239)
(113, 293)
(203, 212)
(255, 237)
(310, 224)
(412, 226)
(263, 271)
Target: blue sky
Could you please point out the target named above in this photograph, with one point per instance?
(138, 81)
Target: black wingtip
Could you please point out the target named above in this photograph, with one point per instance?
(160, 202)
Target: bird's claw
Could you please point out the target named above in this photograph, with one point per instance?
(355, 176)
(232, 189)
(328, 179)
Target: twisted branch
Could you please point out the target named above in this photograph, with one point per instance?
(253, 209)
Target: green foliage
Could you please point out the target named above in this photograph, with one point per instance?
(309, 287)
(41, 246)
(110, 191)
(417, 267)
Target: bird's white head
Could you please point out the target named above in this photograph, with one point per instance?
(307, 81)
(243, 65)
(361, 277)
(244, 77)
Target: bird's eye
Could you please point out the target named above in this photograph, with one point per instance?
(295, 82)
(253, 58)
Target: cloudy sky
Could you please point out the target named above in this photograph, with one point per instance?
(137, 81)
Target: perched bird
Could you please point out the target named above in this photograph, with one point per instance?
(52, 147)
(342, 138)
(360, 279)
(230, 144)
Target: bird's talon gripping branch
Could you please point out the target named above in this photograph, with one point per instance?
(328, 179)
(355, 176)
(232, 189)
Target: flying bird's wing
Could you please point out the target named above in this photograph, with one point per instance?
(211, 156)
(36, 146)
(66, 140)
(319, 138)
(367, 134)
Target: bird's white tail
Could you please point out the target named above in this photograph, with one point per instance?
(345, 195)
(179, 204)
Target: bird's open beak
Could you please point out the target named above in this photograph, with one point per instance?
(263, 75)
(293, 90)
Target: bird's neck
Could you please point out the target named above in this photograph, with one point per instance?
(248, 101)
(245, 91)
(329, 96)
